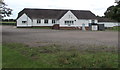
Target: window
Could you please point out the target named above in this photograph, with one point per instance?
(65, 22)
(24, 21)
(92, 21)
(53, 21)
(69, 22)
(38, 21)
(72, 22)
(46, 21)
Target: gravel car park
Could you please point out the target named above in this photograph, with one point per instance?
(69, 38)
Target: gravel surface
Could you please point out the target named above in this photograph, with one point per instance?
(69, 38)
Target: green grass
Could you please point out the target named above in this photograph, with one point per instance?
(116, 28)
(7, 22)
(22, 56)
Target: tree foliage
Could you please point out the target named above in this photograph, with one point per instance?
(4, 11)
(113, 12)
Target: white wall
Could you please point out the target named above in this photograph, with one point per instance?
(77, 22)
(109, 24)
(80, 22)
(96, 21)
(69, 16)
(24, 17)
(42, 22)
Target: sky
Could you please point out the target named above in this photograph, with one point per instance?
(98, 7)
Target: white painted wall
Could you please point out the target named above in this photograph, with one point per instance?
(77, 22)
(109, 24)
(24, 17)
(80, 22)
(96, 21)
(69, 16)
(42, 22)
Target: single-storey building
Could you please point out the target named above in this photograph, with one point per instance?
(78, 19)
(108, 23)
(48, 17)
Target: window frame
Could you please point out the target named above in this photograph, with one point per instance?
(24, 22)
(92, 21)
(53, 21)
(67, 22)
(38, 21)
(46, 21)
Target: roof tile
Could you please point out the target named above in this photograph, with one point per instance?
(55, 13)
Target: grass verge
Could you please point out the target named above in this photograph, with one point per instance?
(7, 22)
(22, 56)
(116, 28)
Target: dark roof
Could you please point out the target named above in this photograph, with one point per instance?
(102, 19)
(55, 13)
(84, 14)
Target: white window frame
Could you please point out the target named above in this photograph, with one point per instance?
(53, 21)
(92, 21)
(69, 22)
(24, 22)
(38, 21)
(45, 21)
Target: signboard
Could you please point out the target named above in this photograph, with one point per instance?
(94, 27)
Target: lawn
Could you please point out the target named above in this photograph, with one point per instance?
(116, 28)
(7, 23)
(22, 56)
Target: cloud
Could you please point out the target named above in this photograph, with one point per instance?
(96, 6)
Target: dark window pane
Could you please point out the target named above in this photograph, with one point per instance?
(24, 21)
(46, 21)
(38, 21)
(53, 21)
(93, 21)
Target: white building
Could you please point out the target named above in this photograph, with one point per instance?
(65, 18)
(108, 23)
(48, 17)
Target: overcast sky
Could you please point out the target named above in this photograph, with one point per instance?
(98, 7)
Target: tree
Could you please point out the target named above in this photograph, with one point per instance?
(4, 11)
(113, 12)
